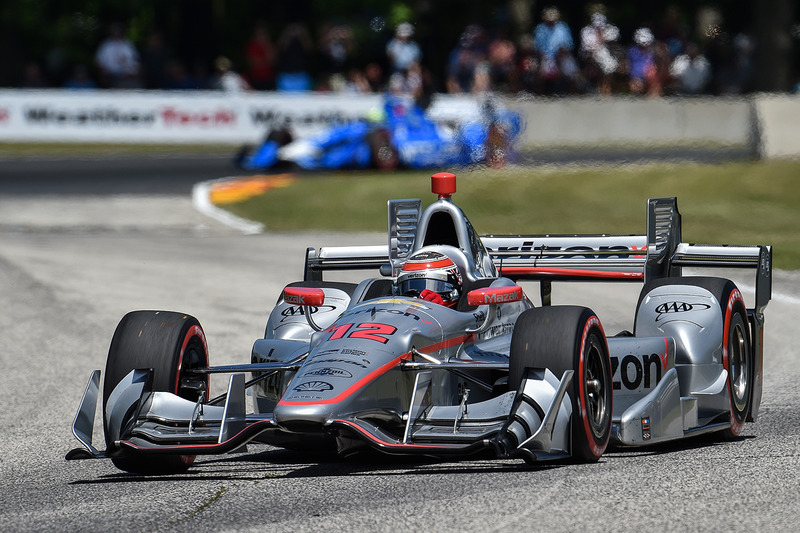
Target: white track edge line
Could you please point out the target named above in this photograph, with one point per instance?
(201, 200)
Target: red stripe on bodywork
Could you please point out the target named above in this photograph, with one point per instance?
(382, 370)
(373, 438)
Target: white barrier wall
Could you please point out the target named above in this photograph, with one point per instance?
(779, 126)
(763, 122)
(637, 122)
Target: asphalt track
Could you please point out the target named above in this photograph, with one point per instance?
(77, 252)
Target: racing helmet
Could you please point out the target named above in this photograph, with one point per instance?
(431, 270)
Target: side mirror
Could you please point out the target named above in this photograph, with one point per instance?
(303, 296)
(307, 297)
(494, 295)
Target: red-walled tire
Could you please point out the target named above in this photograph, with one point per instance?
(564, 338)
(170, 343)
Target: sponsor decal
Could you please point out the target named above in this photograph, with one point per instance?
(295, 299)
(409, 313)
(765, 266)
(274, 117)
(314, 386)
(679, 307)
(97, 116)
(497, 331)
(299, 310)
(528, 246)
(646, 428)
(498, 297)
(372, 331)
(635, 371)
(176, 117)
(3, 114)
(352, 351)
(330, 371)
(342, 361)
(304, 397)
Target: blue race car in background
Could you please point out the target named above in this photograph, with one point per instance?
(403, 135)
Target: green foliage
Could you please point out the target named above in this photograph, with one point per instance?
(734, 203)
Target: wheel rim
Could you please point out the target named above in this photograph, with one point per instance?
(737, 366)
(596, 390)
(193, 358)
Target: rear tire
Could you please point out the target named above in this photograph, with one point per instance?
(170, 344)
(569, 338)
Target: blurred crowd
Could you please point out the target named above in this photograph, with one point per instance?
(553, 58)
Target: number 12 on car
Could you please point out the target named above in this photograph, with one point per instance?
(372, 331)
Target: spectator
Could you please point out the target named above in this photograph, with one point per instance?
(528, 64)
(80, 79)
(641, 61)
(357, 82)
(402, 51)
(374, 75)
(259, 53)
(502, 62)
(600, 62)
(673, 31)
(33, 77)
(660, 77)
(691, 70)
(407, 82)
(336, 46)
(295, 49)
(737, 68)
(227, 79)
(482, 81)
(176, 76)
(118, 61)
(550, 36)
(462, 65)
(154, 60)
(571, 80)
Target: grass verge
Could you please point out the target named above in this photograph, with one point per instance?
(731, 203)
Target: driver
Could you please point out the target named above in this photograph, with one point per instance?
(431, 276)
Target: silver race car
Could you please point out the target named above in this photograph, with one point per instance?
(443, 354)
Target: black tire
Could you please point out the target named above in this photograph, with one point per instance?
(384, 155)
(569, 338)
(737, 357)
(169, 343)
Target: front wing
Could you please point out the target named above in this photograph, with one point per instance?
(532, 422)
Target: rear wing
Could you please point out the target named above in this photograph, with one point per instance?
(658, 254)
(546, 258)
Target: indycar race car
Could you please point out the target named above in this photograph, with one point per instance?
(443, 354)
(403, 135)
